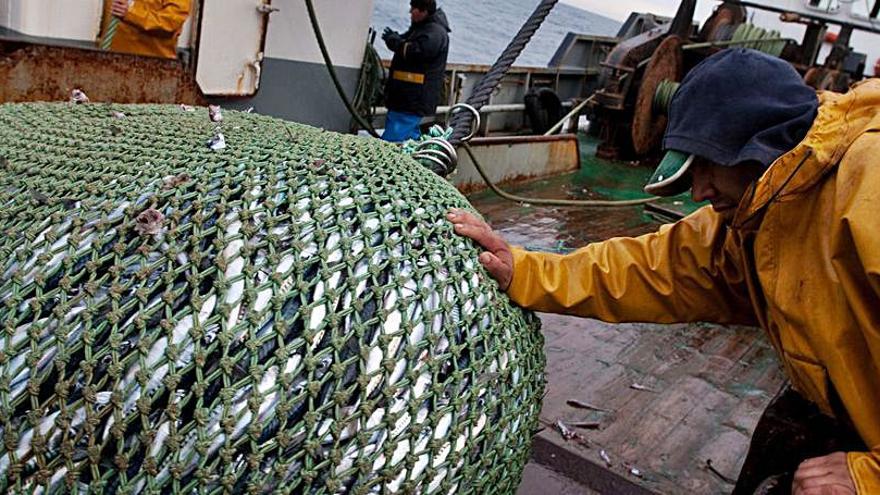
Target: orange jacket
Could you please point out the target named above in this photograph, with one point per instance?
(150, 27)
(801, 259)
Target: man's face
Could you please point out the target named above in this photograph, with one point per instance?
(417, 15)
(722, 186)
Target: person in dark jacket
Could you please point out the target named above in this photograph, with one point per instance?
(416, 77)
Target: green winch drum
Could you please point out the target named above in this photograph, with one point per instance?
(250, 305)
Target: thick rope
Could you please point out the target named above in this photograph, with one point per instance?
(369, 87)
(480, 96)
(316, 27)
(107, 40)
(580, 203)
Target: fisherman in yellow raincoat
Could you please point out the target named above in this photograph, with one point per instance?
(146, 27)
(791, 242)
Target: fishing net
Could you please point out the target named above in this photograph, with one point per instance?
(245, 306)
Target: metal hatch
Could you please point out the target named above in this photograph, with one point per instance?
(232, 34)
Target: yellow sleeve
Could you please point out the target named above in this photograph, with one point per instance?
(687, 271)
(167, 20)
(856, 257)
(856, 241)
(865, 470)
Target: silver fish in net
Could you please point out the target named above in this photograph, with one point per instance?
(292, 313)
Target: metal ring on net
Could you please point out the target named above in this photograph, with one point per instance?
(475, 127)
(440, 155)
(443, 167)
(443, 143)
(438, 152)
(438, 147)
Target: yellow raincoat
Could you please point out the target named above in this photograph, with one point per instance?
(151, 27)
(801, 259)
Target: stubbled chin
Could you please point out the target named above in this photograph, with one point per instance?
(725, 212)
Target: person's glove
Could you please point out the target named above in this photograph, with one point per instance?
(392, 39)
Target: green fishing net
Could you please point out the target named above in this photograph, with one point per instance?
(245, 305)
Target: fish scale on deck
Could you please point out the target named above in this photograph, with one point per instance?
(290, 310)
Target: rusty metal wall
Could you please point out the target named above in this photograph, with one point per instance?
(517, 158)
(48, 73)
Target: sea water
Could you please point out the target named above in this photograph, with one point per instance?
(481, 29)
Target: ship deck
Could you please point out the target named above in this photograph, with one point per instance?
(669, 399)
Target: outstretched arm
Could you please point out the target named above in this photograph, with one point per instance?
(688, 271)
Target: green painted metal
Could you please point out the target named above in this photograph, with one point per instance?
(663, 96)
(289, 313)
(752, 36)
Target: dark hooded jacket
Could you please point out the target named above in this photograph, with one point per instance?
(415, 80)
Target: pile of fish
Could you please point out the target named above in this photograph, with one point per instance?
(287, 312)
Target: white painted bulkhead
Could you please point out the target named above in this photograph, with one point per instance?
(78, 20)
(230, 51)
(344, 24)
(295, 83)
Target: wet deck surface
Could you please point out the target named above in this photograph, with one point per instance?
(708, 383)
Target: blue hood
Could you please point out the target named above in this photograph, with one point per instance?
(740, 105)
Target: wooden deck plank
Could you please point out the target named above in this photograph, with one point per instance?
(710, 384)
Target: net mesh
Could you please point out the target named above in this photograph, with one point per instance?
(288, 313)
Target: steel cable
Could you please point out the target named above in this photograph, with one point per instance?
(483, 90)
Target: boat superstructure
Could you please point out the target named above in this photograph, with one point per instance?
(241, 54)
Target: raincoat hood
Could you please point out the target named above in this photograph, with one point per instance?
(739, 105)
(841, 119)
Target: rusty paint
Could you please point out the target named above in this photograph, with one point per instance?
(239, 84)
(561, 152)
(515, 159)
(49, 73)
(726, 14)
(666, 64)
(499, 140)
(472, 187)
